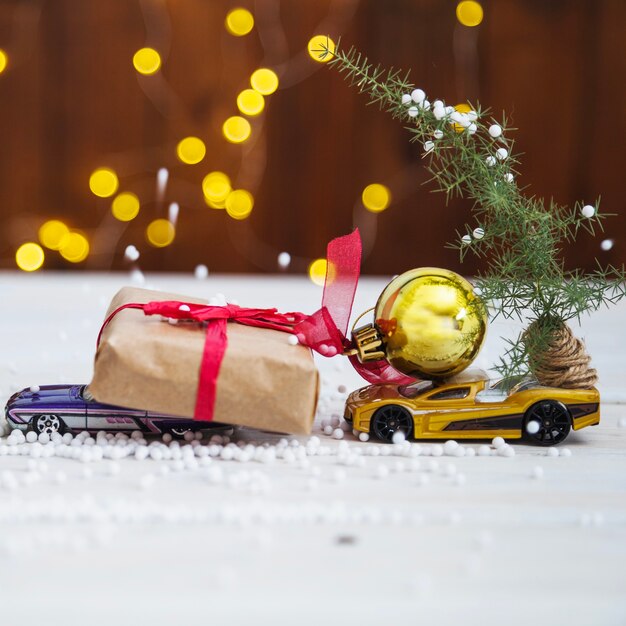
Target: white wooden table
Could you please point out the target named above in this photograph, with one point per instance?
(319, 543)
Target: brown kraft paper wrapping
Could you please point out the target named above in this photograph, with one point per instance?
(145, 363)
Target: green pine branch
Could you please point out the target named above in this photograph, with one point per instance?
(521, 237)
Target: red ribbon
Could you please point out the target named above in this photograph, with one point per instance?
(324, 331)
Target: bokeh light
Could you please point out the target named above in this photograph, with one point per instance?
(250, 102)
(103, 182)
(264, 80)
(236, 129)
(75, 248)
(464, 107)
(191, 150)
(216, 187)
(321, 48)
(376, 197)
(160, 233)
(239, 22)
(29, 256)
(317, 271)
(53, 234)
(125, 206)
(4, 60)
(469, 13)
(147, 61)
(239, 204)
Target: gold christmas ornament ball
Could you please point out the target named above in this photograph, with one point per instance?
(431, 322)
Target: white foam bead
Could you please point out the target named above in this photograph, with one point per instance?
(472, 128)
(425, 105)
(457, 117)
(406, 99)
(484, 451)
(141, 453)
(509, 177)
(418, 95)
(607, 244)
(67, 438)
(338, 433)
(495, 130)
(470, 452)
(439, 112)
(532, 427)
(552, 452)
(478, 233)
(156, 454)
(227, 454)
(438, 134)
(588, 211)
(44, 438)
(436, 450)
(502, 153)
(459, 452)
(506, 451)
(413, 111)
(201, 272)
(450, 446)
(34, 388)
(31, 436)
(131, 253)
(466, 239)
(428, 146)
(536, 472)
(490, 161)
(497, 442)
(472, 115)
(565, 452)
(398, 438)
(382, 471)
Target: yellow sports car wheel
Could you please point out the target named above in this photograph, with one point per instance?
(547, 423)
(390, 419)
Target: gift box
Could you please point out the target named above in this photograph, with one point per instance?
(143, 362)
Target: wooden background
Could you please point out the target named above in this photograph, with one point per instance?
(71, 101)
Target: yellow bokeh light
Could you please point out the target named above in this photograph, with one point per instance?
(4, 60)
(239, 204)
(216, 187)
(53, 234)
(469, 13)
(264, 80)
(76, 248)
(160, 233)
(29, 256)
(317, 271)
(461, 108)
(147, 61)
(103, 182)
(191, 150)
(250, 102)
(236, 129)
(376, 197)
(321, 48)
(239, 22)
(125, 206)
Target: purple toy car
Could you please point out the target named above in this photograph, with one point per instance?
(71, 408)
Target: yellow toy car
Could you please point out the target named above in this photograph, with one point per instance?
(468, 408)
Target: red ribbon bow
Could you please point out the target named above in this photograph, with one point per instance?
(324, 331)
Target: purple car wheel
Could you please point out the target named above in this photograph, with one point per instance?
(48, 424)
